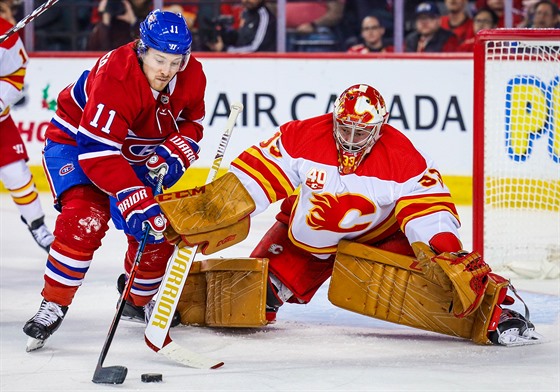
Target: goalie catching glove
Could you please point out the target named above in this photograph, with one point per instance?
(465, 274)
(137, 205)
(177, 152)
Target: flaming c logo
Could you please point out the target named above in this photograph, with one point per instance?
(344, 213)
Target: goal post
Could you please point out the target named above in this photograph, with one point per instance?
(516, 150)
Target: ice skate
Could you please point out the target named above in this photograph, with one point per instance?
(140, 314)
(514, 330)
(42, 236)
(45, 322)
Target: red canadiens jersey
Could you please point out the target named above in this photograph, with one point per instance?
(117, 119)
(13, 63)
(395, 187)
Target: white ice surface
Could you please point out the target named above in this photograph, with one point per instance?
(314, 347)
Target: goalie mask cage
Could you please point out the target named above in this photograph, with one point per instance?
(516, 162)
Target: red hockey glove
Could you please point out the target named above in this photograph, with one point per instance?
(137, 205)
(177, 152)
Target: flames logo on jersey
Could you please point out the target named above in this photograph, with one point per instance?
(346, 213)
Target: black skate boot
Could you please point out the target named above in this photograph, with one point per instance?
(42, 236)
(273, 302)
(41, 326)
(140, 314)
(514, 330)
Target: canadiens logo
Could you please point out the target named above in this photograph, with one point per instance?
(64, 170)
(136, 149)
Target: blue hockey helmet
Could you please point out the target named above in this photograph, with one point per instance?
(167, 32)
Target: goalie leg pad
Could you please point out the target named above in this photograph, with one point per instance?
(392, 287)
(225, 293)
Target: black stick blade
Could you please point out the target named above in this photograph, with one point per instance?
(110, 375)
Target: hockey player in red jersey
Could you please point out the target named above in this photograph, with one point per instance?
(142, 100)
(359, 180)
(14, 172)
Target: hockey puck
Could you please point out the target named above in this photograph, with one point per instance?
(152, 377)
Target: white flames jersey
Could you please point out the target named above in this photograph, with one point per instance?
(395, 187)
(13, 63)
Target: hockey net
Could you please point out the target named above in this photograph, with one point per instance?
(516, 166)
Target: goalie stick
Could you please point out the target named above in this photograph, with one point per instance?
(157, 331)
(117, 374)
(28, 19)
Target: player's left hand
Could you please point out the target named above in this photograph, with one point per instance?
(177, 152)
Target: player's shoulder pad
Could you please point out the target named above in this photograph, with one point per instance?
(299, 136)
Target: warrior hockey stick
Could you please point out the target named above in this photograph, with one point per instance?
(117, 374)
(157, 331)
(25, 21)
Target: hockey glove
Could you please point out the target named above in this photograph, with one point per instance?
(137, 205)
(177, 152)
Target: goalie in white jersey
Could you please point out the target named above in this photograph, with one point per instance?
(367, 184)
(355, 187)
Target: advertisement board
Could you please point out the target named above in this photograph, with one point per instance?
(430, 99)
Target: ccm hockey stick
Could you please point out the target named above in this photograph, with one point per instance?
(117, 374)
(29, 18)
(157, 331)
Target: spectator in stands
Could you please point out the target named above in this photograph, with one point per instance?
(458, 19)
(498, 6)
(354, 13)
(545, 15)
(484, 18)
(119, 23)
(429, 35)
(372, 37)
(257, 32)
(313, 20)
(53, 28)
(210, 17)
(7, 11)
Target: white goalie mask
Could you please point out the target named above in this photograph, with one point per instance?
(359, 113)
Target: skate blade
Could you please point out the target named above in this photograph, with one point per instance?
(515, 341)
(34, 344)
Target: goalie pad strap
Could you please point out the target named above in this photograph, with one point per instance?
(225, 293)
(390, 287)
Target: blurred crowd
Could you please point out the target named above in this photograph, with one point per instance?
(236, 26)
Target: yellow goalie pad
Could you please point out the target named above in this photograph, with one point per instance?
(214, 216)
(225, 293)
(392, 287)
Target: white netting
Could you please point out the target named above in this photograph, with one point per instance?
(522, 157)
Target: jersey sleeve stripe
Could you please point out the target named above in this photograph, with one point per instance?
(15, 79)
(258, 178)
(416, 211)
(78, 91)
(275, 172)
(95, 139)
(95, 155)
